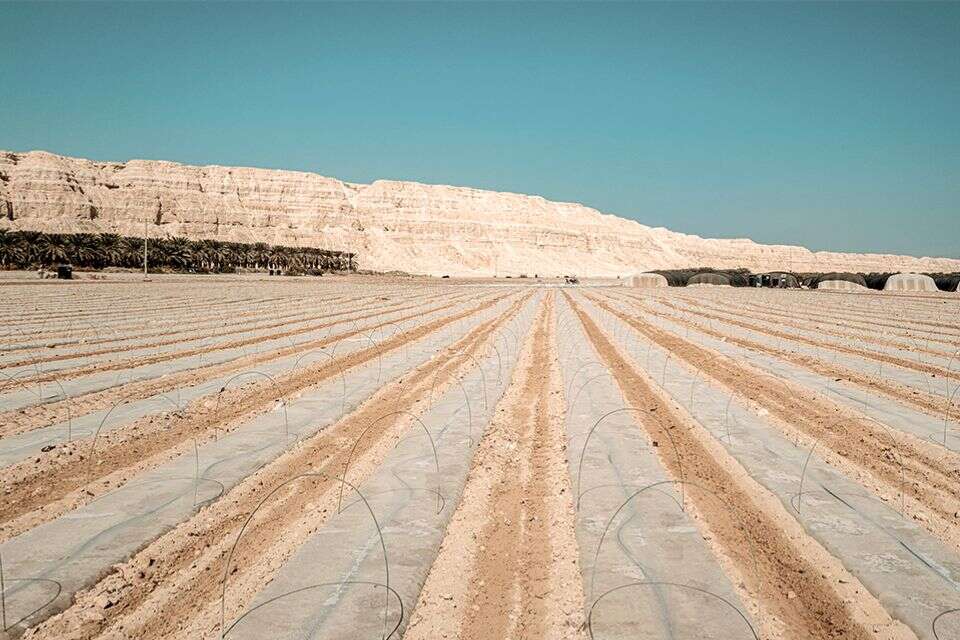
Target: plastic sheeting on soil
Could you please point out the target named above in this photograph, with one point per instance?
(916, 575)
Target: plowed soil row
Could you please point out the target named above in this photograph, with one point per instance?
(23, 420)
(863, 353)
(186, 302)
(236, 326)
(40, 489)
(135, 325)
(899, 463)
(820, 320)
(171, 589)
(885, 297)
(859, 331)
(802, 591)
(931, 404)
(118, 365)
(507, 567)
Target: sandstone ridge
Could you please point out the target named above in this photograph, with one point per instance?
(391, 225)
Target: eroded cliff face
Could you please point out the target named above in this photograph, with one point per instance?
(406, 226)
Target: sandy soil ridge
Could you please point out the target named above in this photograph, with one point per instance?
(508, 564)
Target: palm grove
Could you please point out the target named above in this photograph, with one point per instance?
(33, 249)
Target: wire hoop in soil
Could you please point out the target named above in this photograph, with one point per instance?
(655, 486)
(935, 624)
(658, 584)
(346, 464)
(5, 625)
(226, 570)
(343, 377)
(594, 428)
(483, 375)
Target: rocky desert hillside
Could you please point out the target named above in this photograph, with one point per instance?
(391, 225)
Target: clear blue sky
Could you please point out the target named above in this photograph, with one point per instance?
(836, 126)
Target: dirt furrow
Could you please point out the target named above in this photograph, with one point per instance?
(150, 326)
(862, 332)
(892, 463)
(820, 320)
(28, 418)
(238, 325)
(42, 488)
(802, 591)
(118, 365)
(930, 404)
(839, 307)
(863, 353)
(507, 567)
(171, 589)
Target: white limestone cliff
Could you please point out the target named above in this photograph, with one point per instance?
(390, 225)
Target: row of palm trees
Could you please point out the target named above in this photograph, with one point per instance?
(33, 249)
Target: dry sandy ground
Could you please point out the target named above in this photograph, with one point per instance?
(509, 565)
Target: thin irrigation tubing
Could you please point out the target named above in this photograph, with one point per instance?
(513, 332)
(594, 428)
(493, 345)
(64, 397)
(892, 440)
(346, 464)
(343, 378)
(441, 501)
(803, 472)
(506, 343)
(397, 329)
(893, 447)
(373, 517)
(16, 381)
(376, 348)
(726, 414)
(660, 583)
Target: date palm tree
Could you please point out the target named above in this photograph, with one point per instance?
(177, 253)
(82, 249)
(52, 249)
(13, 252)
(111, 250)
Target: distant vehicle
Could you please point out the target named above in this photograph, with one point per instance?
(571, 279)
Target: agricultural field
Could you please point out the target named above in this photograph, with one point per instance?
(359, 457)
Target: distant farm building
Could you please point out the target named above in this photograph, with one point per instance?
(719, 279)
(649, 281)
(910, 282)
